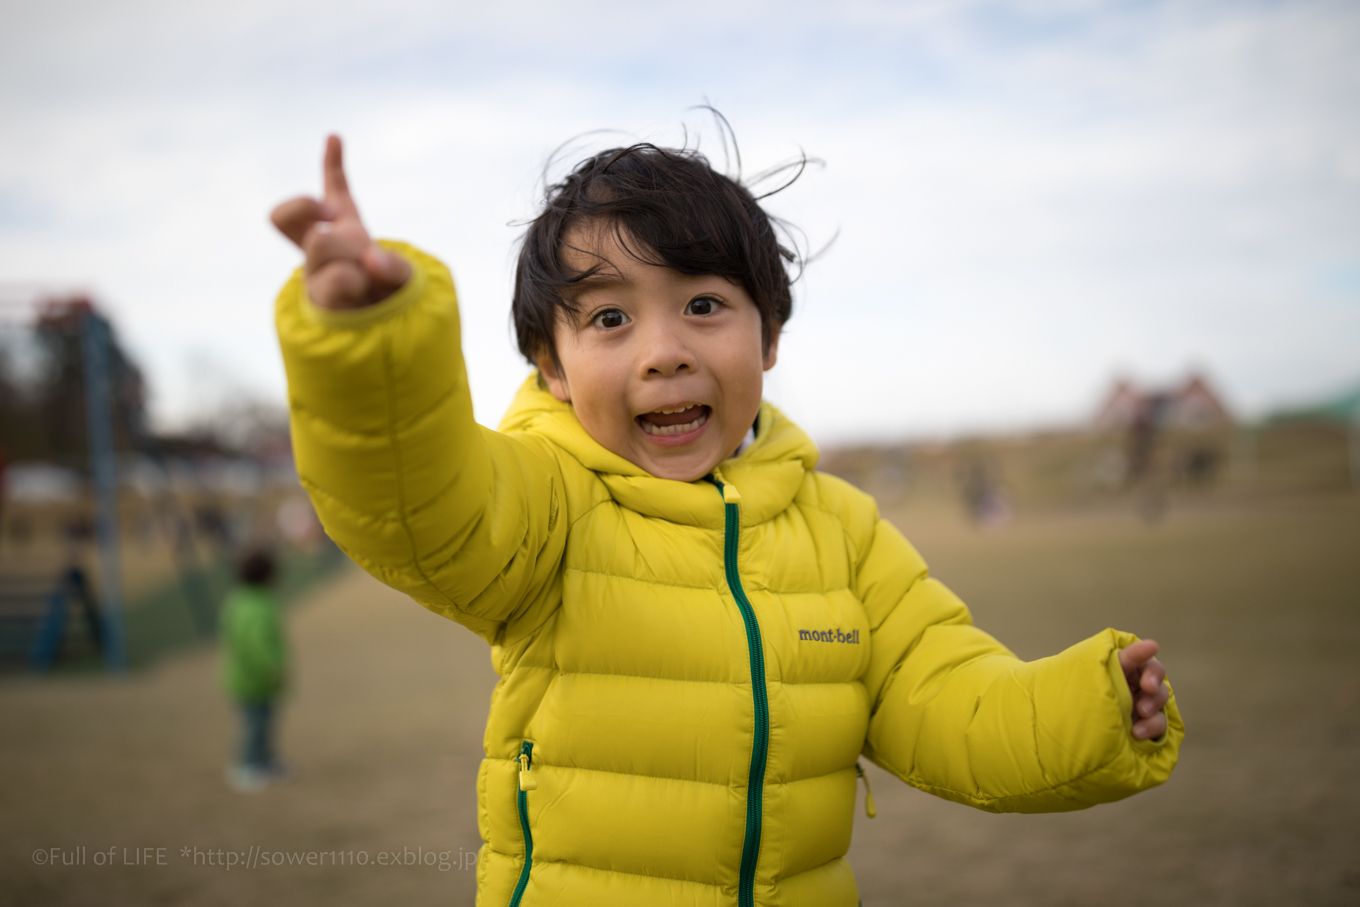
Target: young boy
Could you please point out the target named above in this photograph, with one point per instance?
(254, 669)
(697, 634)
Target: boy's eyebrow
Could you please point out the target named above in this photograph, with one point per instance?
(600, 280)
(604, 277)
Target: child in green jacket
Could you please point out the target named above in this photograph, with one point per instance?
(254, 669)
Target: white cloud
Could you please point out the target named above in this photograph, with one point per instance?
(1030, 196)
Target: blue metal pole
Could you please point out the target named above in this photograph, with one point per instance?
(104, 470)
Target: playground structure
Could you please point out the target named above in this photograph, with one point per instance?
(38, 620)
(104, 618)
(108, 531)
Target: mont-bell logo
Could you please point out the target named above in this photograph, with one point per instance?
(833, 635)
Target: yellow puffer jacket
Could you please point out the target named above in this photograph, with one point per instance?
(688, 672)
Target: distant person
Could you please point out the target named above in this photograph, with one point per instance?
(1145, 470)
(986, 500)
(255, 669)
(698, 635)
(1145, 434)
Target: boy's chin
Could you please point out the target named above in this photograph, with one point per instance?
(679, 475)
(669, 471)
(680, 465)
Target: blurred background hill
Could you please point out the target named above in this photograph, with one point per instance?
(1142, 448)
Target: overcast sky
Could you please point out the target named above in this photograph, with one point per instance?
(1031, 198)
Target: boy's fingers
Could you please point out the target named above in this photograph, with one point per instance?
(1150, 727)
(387, 269)
(1153, 694)
(340, 284)
(337, 186)
(296, 216)
(344, 241)
(1131, 656)
(340, 278)
(1153, 675)
(1150, 704)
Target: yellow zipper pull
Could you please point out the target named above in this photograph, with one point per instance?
(869, 809)
(729, 491)
(526, 780)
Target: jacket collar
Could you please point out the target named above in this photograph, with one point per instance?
(767, 474)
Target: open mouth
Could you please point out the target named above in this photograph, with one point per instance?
(669, 423)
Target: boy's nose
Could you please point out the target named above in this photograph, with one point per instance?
(665, 355)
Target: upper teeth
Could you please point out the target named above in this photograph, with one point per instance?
(667, 412)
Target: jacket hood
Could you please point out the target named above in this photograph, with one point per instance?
(767, 474)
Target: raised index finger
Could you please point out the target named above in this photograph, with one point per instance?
(337, 187)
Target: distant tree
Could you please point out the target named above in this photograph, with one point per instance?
(20, 425)
(42, 408)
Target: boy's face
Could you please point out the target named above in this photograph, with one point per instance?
(664, 369)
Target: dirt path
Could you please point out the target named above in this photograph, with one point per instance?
(383, 730)
(1259, 612)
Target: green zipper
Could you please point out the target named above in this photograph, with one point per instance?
(755, 785)
(526, 759)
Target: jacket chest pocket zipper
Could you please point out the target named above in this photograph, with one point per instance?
(526, 784)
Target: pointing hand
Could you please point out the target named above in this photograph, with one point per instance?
(345, 269)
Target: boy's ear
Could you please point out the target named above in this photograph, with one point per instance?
(553, 376)
(771, 353)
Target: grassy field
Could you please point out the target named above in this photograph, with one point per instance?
(1258, 612)
(1257, 605)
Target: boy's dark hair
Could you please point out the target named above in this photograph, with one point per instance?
(667, 207)
(256, 568)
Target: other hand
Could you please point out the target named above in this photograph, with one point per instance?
(1146, 676)
(345, 269)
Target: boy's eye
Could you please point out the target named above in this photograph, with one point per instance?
(610, 318)
(704, 305)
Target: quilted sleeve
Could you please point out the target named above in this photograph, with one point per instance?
(957, 715)
(459, 517)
